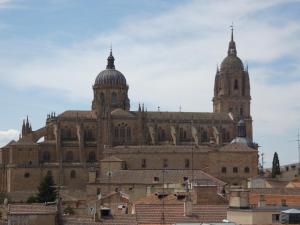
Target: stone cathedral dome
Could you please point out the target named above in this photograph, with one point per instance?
(110, 76)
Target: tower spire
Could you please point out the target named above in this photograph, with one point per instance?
(110, 60)
(232, 47)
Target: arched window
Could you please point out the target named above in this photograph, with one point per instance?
(187, 163)
(92, 156)
(161, 134)
(46, 156)
(241, 111)
(165, 163)
(236, 85)
(223, 170)
(49, 173)
(204, 136)
(116, 132)
(102, 99)
(144, 163)
(114, 98)
(128, 134)
(247, 170)
(73, 174)
(182, 134)
(235, 170)
(122, 132)
(69, 156)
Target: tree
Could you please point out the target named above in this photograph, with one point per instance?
(47, 191)
(275, 165)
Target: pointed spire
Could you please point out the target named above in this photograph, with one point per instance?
(218, 70)
(110, 60)
(143, 108)
(232, 47)
(140, 107)
(23, 128)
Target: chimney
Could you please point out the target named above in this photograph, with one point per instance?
(188, 206)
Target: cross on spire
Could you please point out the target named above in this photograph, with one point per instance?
(232, 28)
(232, 47)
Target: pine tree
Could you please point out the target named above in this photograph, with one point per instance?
(275, 165)
(47, 191)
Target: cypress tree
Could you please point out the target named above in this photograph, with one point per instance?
(47, 191)
(275, 165)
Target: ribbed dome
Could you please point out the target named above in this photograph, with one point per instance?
(110, 77)
(232, 62)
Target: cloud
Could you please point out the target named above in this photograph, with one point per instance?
(169, 59)
(8, 135)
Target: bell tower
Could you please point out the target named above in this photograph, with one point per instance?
(232, 88)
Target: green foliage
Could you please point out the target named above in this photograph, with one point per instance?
(32, 199)
(47, 191)
(68, 210)
(275, 165)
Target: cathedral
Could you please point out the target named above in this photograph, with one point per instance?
(86, 150)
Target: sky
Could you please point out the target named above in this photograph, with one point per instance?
(52, 50)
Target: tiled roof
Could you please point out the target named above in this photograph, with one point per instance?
(78, 114)
(122, 113)
(153, 214)
(127, 219)
(9, 144)
(189, 116)
(147, 177)
(36, 208)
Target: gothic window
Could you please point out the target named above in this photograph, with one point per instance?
(114, 98)
(92, 156)
(235, 170)
(223, 170)
(144, 164)
(187, 163)
(102, 99)
(204, 136)
(128, 133)
(122, 132)
(73, 174)
(116, 132)
(236, 85)
(165, 163)
(69, 156)
(46, 156)
(246, 170)
(182, 134)
(161, 134)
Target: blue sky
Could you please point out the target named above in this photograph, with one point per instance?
(52, 50)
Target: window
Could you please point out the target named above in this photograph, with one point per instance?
(128, 133)
(69, 156)
(46, 156)
(73, 174)
(224, 170)
(235, 169)
(156, 179)
(241, 111)
(287, 168)
(144, 165)
(236, 85)
(92, 156)
(27, 175)
(116, 132)
(187, 163)
(161, 134)
(114, 98)
(283, 202)
(204, 136)
(122, 132)
(247, 170)
(182, 134)
(165, 163)
(102, 99)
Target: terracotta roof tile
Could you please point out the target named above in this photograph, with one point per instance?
(36, 208)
